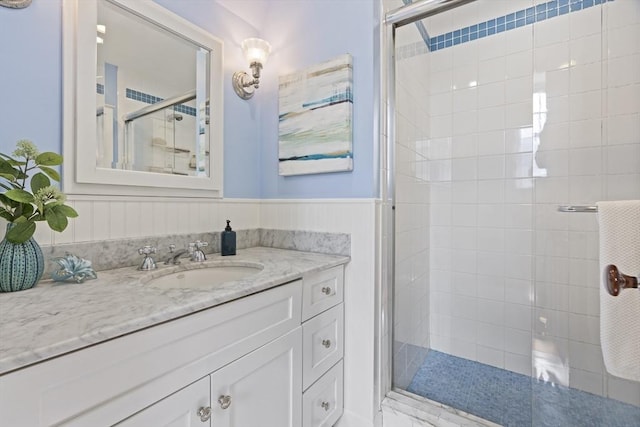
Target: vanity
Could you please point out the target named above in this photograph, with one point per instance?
(265, 350)
(132, 348)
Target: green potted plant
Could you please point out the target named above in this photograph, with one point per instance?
(28, 196)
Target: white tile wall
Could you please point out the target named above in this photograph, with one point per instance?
(526, 120)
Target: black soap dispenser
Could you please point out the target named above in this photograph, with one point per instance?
(228, 241)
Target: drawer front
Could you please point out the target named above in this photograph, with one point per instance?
(321, 291)
(322, 403)
(323, 344)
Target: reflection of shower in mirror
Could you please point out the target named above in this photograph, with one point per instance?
(175, 116)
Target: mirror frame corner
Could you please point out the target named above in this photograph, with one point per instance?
(82, 177)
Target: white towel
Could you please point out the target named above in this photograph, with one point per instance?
(619, 224)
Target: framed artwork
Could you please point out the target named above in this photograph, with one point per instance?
(315, 131)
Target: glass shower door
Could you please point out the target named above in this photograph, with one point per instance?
(504, 112)
(161, 142)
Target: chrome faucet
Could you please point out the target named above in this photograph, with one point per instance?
(195, 249)
(174, 255)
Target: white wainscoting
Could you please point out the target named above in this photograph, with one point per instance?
(119, 217)
(358, 218)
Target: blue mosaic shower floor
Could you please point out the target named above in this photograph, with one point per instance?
(515, 400)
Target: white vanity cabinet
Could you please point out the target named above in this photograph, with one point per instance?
(259, 389)
(244, 363)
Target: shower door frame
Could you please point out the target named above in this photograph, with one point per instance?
(394, 19)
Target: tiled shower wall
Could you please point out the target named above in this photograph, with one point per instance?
(521, 121)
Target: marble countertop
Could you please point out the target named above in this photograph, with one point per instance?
(56, 318)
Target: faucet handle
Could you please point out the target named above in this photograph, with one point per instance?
(147, 250)
(147, 263)
(200, 244)
(195, 249)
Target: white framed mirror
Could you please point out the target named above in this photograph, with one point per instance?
(143, 107)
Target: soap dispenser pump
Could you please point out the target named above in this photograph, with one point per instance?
(228, 241)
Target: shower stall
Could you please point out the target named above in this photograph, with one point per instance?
(156, 139)
(507, 120)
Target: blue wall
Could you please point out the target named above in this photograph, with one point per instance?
(304, 33)
(31, 75)
(242, 162)
(301, 32)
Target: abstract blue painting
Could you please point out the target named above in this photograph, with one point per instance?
(315, 119)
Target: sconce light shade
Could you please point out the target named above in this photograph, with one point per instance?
(256, 51)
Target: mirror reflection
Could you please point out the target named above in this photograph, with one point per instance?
(152, 91)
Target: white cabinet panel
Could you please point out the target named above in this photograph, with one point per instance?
(263, 388)
(185, 408)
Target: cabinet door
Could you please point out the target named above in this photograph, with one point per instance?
(261, 389)
(188, 407)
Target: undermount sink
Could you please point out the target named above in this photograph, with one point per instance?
(205, 277)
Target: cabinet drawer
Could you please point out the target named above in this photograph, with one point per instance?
(323, 344)
(322, 404)
(321, 291)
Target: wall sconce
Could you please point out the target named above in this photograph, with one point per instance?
(256, 51)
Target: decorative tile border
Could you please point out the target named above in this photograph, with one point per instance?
(150, 99)
(510, 21)
(493, 26)
(142, 97)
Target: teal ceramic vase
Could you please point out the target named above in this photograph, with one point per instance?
(21, 264)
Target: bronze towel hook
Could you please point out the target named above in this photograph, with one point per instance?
(614, 281)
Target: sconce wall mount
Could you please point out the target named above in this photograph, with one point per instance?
(256, 52)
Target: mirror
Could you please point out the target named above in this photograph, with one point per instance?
(143, 101)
